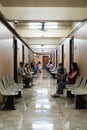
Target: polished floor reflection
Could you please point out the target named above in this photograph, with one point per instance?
(37, 110)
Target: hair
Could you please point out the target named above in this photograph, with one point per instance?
(75, 66)
(39, 62)
(50, 62)
(21, 63)
(60, 64)
(26, 64)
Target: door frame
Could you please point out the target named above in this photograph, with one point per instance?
(71, 58)
(15, 59)
(63, 54)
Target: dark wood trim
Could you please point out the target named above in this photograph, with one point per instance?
(63, 54)
(23, 53)
(71, 57)
(15, 59)
(56, 57)
(4, 21)
(84, 21)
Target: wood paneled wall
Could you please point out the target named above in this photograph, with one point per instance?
(26, 55)
(6, 51)
(66, 54)
(58, 55)
(19, 51)
(80, 49)
(54, 57)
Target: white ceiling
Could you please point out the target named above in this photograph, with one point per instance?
(44, 3)
(66, 13)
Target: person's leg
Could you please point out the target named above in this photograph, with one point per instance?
(61, 86)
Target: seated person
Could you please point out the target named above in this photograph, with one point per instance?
(71, 80)
(28, 72)
(61, 73)
(39, 66)
(33, 67)
(51, 65)
(25, 77)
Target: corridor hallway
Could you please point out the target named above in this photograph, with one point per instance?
(37, 110)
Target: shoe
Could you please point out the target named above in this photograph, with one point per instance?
(33, 84)
(55, 96)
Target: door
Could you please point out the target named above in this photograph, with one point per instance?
(45, 61)
(15, 59)
(71, 51)
(23, 53)
(63, 55)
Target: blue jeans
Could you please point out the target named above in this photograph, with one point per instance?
(61, 86)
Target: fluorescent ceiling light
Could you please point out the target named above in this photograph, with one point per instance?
(35, 24)
(51, 23)
(35, 27)
(47, 25)
(50, 27)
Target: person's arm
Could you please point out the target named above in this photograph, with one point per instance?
(21, 73)
(73, 75)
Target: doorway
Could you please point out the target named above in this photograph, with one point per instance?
(45, 61)
(63, 55)
(23, 53)
(15, 59)
(71, 51)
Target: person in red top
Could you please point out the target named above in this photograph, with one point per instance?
(71, 80)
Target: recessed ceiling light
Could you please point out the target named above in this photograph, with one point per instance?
(16, 22)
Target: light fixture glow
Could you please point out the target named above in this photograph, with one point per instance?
(39, 25)
(51, 23)
(35, 24)
(50, 26)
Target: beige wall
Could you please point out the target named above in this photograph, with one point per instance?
(19, 51)
(80, 50)
(6, 51)
(25, 54)
(54, 57)
(38, 58)
(80, 55)
(6, 57)
(66, 54)
(58, 55)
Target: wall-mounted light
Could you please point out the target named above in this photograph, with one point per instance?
(42, 45)
(15, 22)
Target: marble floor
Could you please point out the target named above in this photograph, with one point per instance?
(37, 110)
